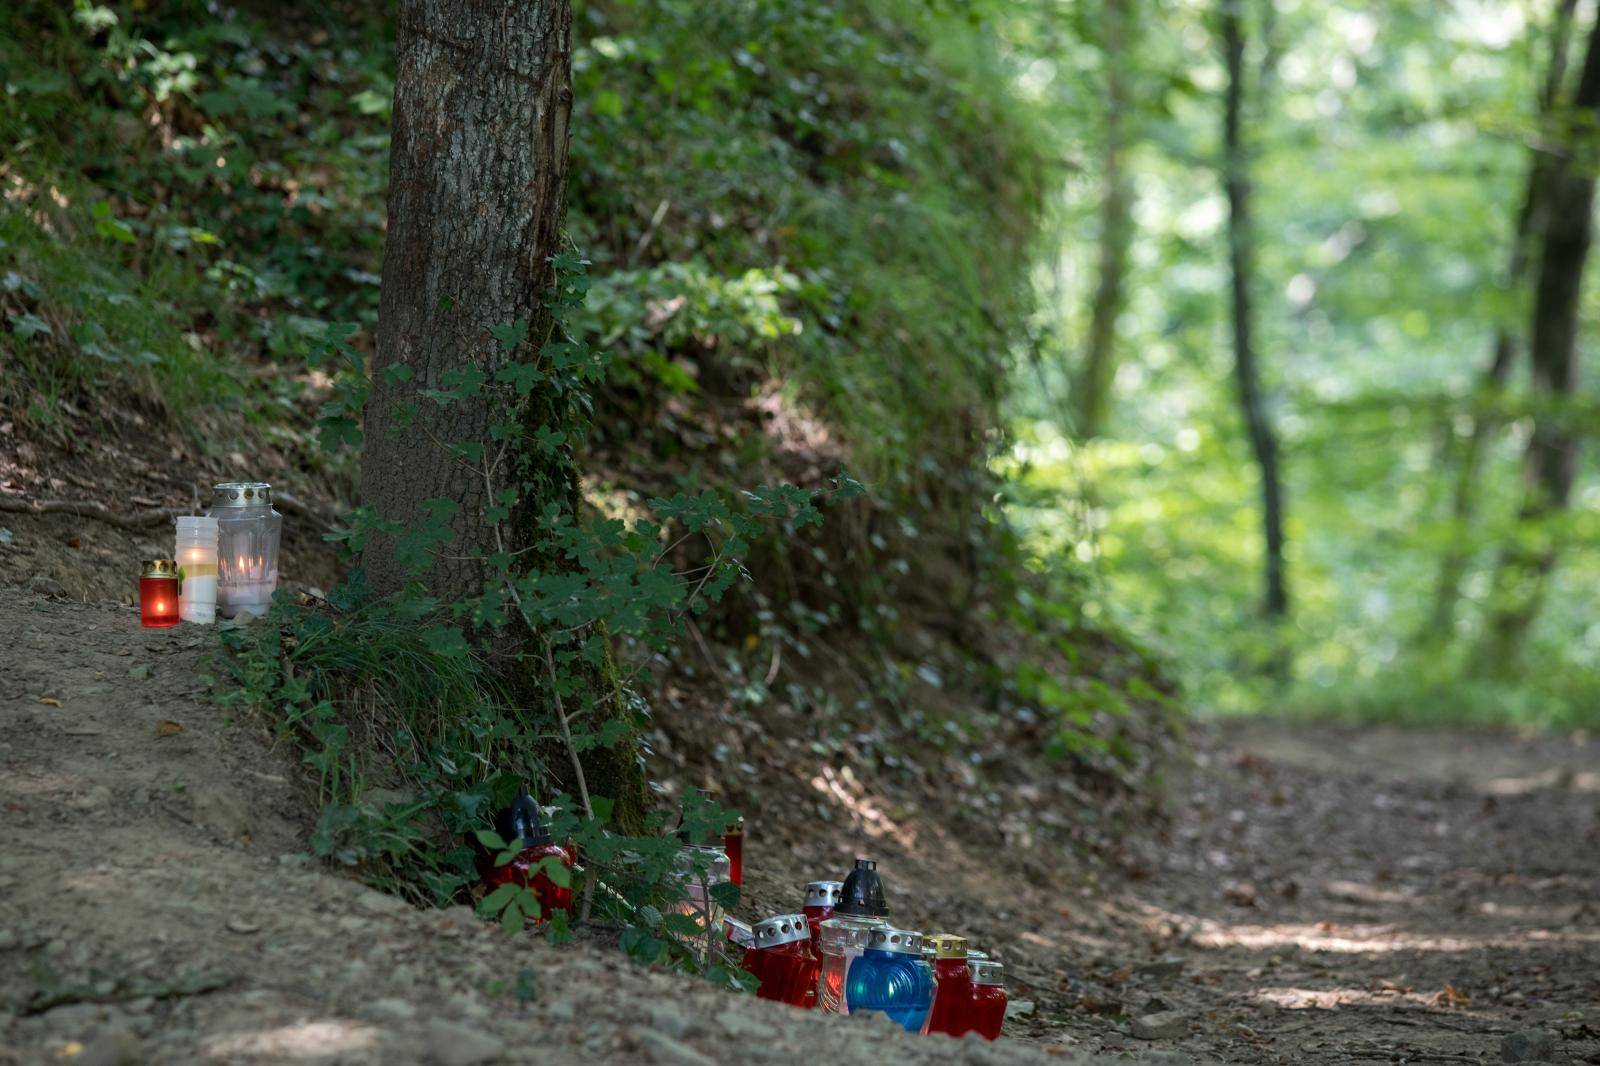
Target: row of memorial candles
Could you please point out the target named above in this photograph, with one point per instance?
(226, 561)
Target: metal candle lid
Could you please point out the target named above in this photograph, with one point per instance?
(165, 568)
(975, 957)
(948, 946)
(781, 929)
(901, 941)
(823, 893)
(241, 494)
(987, 972)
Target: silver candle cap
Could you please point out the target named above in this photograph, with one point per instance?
(241, 494)
(781, 929)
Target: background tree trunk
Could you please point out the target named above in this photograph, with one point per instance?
(478, 169)
(1551, 462)
(1116, 229)
(1263, 438)
(1503, 354)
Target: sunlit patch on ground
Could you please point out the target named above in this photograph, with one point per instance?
(1334, 998)
(304, 1040)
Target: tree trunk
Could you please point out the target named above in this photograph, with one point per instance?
(478, 168)
(1551, 462)
(1507, 341)
(1116, 232)
(1263, 437)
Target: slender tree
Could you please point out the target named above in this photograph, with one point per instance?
(1551, 461)
(1258, 422)
(1116, 225)
(478, 167)
(1531, 220)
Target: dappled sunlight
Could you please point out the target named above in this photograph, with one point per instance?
(303, 1040)
(843, 787)
(1556, 777)
(1334, 998)
(1360, 892)
(1364, 938)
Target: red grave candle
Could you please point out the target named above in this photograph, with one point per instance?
(952, 1010)
(158, 594)
(988, 998)
(780, 958)
(733, 844)
(522, 821)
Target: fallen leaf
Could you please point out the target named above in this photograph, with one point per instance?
(168, 728)
(1117, 976)
(241, 926)
(49, 701)
(1449, 996)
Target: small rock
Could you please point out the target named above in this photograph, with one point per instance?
(741, 1028)
(1163, 1025)
(219, 811)
(452, 1044)
(98, 798)
(350, 923)
(292, 858)
(116, 1048)
(1527, 1045)
(1019, 1008)
(9, 939)
(140, 672)
(1167, 967)
(392, 1009)
(1155, 1005)
(375, 902)
(44, 585)
(666, 1051)
(242, 926)
(670, 1018)
(559, 1010)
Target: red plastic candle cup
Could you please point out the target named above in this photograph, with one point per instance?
(527, 870)
(820, 898)
(782, 962)
(988, 998)
(158, 594)
(952, 1011)
(733, 844)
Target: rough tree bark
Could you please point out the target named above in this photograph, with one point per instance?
(1507, 340)
(478, 166)
(1551, 461)
(1263, 437)
(1116, 230)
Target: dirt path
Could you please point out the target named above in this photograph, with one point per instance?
(1321, 896)
(1331, 895)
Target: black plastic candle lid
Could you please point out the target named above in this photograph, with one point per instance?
(522, 819)
(862, 894)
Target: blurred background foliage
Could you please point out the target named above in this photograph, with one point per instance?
(882, 226)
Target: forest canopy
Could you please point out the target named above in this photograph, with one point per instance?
(985, 254)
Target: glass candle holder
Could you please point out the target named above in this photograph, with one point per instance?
(248, 531)
(158, 594)
(699, 869)
(197, 562)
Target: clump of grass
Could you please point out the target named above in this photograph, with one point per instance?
(408, 748)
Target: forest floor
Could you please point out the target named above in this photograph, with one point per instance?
(1317, 894)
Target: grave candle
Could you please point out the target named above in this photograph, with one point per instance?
(158, 594)
(248, 530)
(197, 557)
